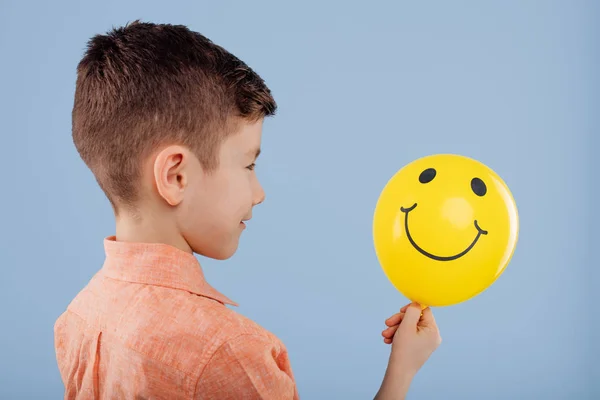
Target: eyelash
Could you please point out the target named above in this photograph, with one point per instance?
(251, 166)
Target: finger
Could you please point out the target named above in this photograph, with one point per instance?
(394, 319)
(411, 317)
(390, 332)
(427, 318)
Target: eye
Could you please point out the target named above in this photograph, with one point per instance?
(427, 175)
(478, 187)
(251, 166)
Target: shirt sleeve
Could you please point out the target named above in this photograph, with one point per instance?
(247, 367)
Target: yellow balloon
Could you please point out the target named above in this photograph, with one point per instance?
(445, 227)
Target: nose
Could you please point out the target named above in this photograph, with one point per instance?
(259, 194)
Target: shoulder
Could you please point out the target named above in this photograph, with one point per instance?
(207, 317)
(247, 365)
(184, 329)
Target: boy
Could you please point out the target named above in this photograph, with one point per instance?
(170, 125)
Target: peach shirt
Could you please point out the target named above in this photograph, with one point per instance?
(149, 326)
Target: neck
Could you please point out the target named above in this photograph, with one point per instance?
(149, 227)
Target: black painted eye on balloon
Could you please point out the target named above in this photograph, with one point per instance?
(427, 175)
(478, 187)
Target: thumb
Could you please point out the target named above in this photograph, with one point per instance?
(411, 317)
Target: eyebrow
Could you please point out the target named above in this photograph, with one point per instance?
(256, 153)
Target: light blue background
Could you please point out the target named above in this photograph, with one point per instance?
(363, 89)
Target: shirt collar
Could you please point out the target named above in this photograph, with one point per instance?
(157, 264)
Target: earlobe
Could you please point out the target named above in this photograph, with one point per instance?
(170, 174)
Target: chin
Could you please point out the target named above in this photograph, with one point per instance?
(221, 256)
(216, 252)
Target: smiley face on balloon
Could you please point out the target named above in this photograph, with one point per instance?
(445, 228)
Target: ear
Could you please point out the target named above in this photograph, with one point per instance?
(171, 173)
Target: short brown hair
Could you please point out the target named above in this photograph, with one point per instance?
(144, 85)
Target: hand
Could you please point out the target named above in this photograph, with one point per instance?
(414, 334)
(393, 323)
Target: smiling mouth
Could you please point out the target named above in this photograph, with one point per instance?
(406, 211)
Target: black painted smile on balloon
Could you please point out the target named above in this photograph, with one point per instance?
(406, 211)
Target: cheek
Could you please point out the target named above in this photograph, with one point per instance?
(233, 197)
(240, 193)
(239, 184)
(224, 197)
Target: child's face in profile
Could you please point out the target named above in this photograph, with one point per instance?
(215, 204)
